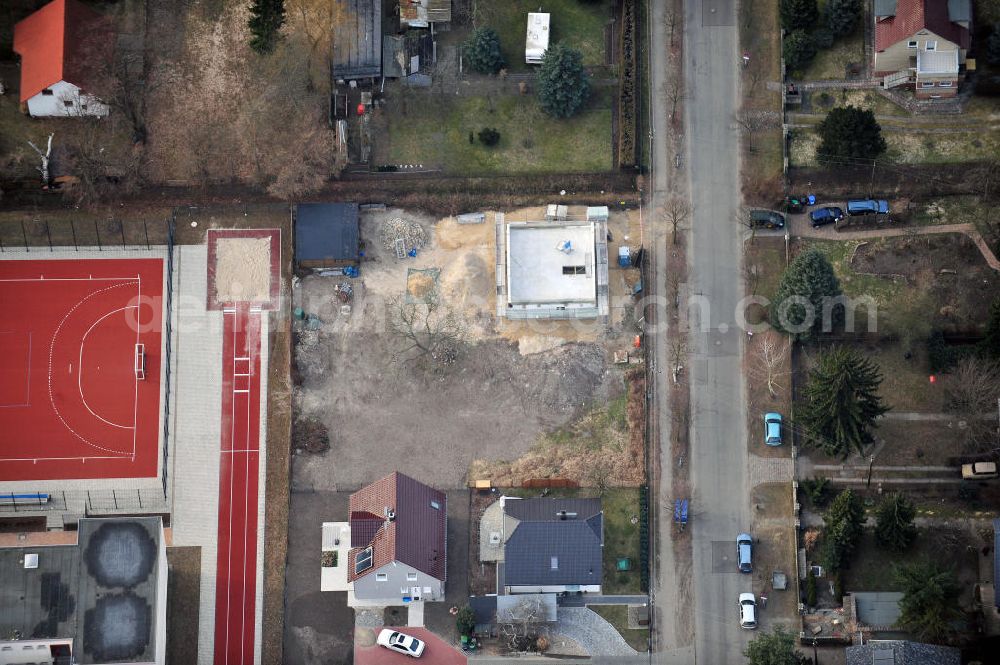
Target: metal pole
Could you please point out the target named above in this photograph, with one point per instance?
(871, 186)
(97, 230)
(24, 236)
(72, 228)
(815, 656)
(121, 227)
(114, 497)
(145, 232)
(871, 463)
(48, 234)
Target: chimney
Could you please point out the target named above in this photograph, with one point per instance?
(390, 514)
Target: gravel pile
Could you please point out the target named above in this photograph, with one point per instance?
(411, 233)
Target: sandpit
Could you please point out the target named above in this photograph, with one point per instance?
(243, 270)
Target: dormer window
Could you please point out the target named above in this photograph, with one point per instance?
(363, 561)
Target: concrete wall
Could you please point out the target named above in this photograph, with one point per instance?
(29, 651)
(160, 647)
(369, 587)
(42, 105)
(897, 56)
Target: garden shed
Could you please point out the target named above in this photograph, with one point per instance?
(326, 235)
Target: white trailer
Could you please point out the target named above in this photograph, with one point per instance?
(538, 38)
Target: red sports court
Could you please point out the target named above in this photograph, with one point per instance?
(80, 368)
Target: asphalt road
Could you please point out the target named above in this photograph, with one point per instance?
(718, 456)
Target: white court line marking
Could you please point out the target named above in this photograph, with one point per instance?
(135, 379)
(52, 345)
(79, 375)
(68, 279)
(61, 459)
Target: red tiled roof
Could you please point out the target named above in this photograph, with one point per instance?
(416, 536)
(912, 16)
(55, 44)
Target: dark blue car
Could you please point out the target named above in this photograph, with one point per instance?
(827, 215)
(867, 207)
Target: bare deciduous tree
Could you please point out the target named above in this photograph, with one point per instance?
(673, 90)
(772, 360)
(426, 330)
(755, 74)
(973, 397)
(676, 213)
(522, 624)
(750, 122)
(43, 169)
(672, 20)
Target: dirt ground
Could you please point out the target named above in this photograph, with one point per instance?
(774, 550)
(948, 267)
(513, 382)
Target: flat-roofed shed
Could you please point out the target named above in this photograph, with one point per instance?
(326, 235)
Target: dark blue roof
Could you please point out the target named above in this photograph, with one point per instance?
(554, 553)
(326, 231)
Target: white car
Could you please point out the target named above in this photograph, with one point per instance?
(400, 642)
(748, 611)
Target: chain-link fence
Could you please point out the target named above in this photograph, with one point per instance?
(45, 232)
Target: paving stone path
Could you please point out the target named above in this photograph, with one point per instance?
(592, 632)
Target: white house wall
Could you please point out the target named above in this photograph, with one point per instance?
(54, 105)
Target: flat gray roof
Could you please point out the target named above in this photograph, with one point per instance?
(101, 592)
(357, 39)
(538, 259)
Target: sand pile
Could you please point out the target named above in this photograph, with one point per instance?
(243, 270)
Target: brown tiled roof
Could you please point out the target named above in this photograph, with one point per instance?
(912, 16)
(417, 536)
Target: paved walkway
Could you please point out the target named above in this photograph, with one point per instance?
(770, 470)
(583, 600)
(913, 416)
(968, 229)
(591, 631)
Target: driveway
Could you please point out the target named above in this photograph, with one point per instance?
(437, 651)
(591, 631)
(319, 626)
(719, 498)
(436, 616)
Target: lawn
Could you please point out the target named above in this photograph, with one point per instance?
(824, 100)
(621, 536)
(765, 261)
(832, 63)
(839, 253)
(911, 146)
(871, 566)
(434, 132)
(579, 24)
(617, 616)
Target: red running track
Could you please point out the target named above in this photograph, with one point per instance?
(70, 403)
(236, 577)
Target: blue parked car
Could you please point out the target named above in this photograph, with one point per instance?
(867, 207)
(827, 215)
(744, 552)
(772, 429)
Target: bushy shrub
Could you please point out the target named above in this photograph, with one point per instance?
(482, 51)
(489, 136)
(799, 50)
